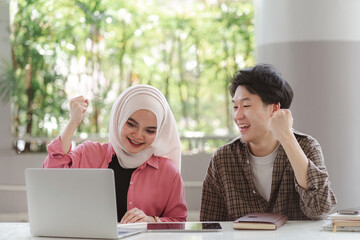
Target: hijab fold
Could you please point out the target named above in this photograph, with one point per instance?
(167, 141)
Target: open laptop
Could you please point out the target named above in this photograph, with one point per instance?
(73, 203)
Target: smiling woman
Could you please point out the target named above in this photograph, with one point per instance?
(141, 124)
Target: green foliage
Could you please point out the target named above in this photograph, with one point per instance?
(97, 48)
(7, 82)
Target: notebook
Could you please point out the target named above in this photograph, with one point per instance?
(260, 221)
(73, 203)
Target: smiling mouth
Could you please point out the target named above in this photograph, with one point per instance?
(133, 143)
(243, 126)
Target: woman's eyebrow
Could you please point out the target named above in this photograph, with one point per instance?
(133, 120)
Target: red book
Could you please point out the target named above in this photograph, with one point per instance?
(260, 221)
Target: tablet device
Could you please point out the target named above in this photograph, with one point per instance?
(185, 227)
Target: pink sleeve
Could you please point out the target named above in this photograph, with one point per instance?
(85, 155)
(56, 158)
(176, 206)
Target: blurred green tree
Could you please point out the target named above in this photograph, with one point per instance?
(97, 48)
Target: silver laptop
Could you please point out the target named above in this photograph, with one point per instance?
(73, 203)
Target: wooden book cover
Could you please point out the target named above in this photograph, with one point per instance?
(338, 216)
(260, 221)
(346, 223)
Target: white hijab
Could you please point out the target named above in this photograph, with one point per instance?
(167, 141)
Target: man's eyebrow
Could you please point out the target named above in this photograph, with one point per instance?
(243, 99)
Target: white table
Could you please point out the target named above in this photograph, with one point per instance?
(304, 230)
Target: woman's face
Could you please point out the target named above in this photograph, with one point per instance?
(139, 131)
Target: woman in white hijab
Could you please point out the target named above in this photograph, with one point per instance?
(144, 152)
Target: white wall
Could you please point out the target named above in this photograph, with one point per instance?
(315, 44)
(5, 56)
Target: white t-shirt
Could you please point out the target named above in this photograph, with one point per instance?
(262, 168)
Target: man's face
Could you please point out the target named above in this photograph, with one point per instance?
(251, 115)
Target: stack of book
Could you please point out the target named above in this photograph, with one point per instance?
(345, 222)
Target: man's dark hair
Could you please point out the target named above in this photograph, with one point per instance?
(264, 81)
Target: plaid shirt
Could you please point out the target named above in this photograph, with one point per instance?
(229, 192)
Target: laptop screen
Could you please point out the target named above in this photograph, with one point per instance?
(71, 202)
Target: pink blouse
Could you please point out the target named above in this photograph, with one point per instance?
(156, 186)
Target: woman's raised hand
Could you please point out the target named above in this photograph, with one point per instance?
(78, 107)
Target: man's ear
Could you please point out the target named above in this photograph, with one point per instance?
(276, 107)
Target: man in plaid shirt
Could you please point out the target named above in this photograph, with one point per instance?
(270, 168)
